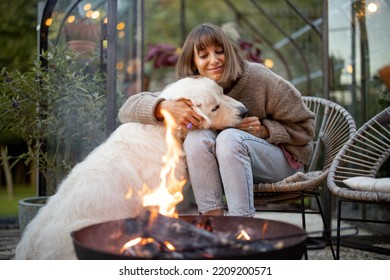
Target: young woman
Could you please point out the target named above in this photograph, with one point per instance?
(273, 142)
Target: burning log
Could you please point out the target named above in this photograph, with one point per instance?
(189, 240)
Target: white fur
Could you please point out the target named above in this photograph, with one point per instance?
(94, 191)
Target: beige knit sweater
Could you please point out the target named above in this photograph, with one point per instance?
(275, 101)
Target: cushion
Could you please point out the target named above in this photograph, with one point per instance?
(368, 184)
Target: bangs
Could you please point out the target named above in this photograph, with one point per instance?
(202, 37)
(206, 37)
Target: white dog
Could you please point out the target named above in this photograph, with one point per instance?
(95, 190)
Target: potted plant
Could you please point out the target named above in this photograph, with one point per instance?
(81, 35)
(381, 85)
(163, 55)
(58, 110)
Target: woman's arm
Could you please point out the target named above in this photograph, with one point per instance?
(140, 108)
(146, 108)
(289, 120)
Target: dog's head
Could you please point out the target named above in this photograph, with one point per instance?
(219, 111)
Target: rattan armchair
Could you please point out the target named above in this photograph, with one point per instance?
(334, 126)
(362, 156)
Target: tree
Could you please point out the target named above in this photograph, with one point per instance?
(18, 40)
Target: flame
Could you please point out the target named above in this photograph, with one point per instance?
(169, 192)
(130, 243)
(264, 229)
(243, 235)
(169, 246)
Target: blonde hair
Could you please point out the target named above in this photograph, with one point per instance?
(201, 37)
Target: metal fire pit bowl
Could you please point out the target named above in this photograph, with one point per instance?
(104, 240)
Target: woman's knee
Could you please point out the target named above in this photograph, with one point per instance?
(228, 141)
(198, 140)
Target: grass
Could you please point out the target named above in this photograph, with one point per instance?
(9, 206)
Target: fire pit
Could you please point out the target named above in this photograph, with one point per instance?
(193, 237)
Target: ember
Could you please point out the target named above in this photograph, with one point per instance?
(243, 236)
(145, 247)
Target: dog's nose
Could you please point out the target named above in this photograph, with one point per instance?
(243, 111)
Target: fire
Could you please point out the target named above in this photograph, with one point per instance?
(169, 246)
(169, 192)
(130, 243)
(137, 245)
(264, 229)
(164, 199)
(243, 235)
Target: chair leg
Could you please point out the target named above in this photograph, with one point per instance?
(338, 229)
(303, 212)
(326, 226)
(357, 244)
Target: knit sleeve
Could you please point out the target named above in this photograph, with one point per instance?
(140, 108)
(288, 118)
(279, 106)
(289, 121)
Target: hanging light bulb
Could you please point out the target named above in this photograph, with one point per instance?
(372, 7)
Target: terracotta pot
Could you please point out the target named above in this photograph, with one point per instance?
(81, 46)
(384, 74)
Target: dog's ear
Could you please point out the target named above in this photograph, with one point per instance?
(196, 107)
(206, 122)
(183, 98)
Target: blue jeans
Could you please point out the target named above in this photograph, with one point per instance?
(229, 163)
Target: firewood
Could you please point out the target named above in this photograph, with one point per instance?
(190, 241)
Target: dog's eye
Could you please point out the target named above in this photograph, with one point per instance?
(215, 108)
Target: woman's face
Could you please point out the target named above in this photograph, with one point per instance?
(210, 62)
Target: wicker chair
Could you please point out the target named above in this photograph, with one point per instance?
(334, 126)
(362, 156)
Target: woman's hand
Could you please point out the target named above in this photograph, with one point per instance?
(181, 111)
(253, 126)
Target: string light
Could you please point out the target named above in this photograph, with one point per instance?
(372, 7)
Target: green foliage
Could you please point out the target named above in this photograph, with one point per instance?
(18, 35)
(163, 21)
(58, 111)
(9, 205)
